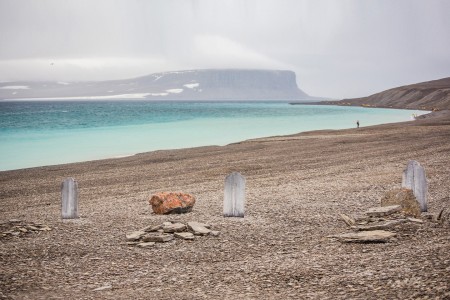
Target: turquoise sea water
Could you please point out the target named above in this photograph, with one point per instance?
(55, 132)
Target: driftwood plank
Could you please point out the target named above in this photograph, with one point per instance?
(69, 199)
(234, 198)
(414, 178)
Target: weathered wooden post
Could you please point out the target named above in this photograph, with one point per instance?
(414, 178)
(69, 199)
(234, 198)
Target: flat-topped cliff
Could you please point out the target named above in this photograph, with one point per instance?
(220, 84)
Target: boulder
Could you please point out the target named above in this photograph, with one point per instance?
(171, 203)
(403, 197)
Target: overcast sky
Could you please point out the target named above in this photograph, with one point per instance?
(338, 48)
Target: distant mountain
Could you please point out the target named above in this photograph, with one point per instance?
(221, 84)
(430, 95)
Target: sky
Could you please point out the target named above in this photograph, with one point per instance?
(338, 48)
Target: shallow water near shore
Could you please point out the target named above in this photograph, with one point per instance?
(56, 132)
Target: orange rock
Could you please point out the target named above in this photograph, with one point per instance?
(171, 203)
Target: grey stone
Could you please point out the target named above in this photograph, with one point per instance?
(349, 221)
(414, 220)
(383, 211)
(214, 233)
(136, 235)
(146, 244)
(198, 228)
(151, 228)
(184, 235)
(175, 227)
(157, 237)
(102, 288)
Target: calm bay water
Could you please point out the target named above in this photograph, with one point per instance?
(55, 132)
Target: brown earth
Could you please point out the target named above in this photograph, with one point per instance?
(430, 95)
(296, 187)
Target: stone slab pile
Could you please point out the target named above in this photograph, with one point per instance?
(375, 226)
(169, 231)
(19, 228)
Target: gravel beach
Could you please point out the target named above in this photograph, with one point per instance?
(296, 187)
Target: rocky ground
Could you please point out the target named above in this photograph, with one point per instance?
(297, 187)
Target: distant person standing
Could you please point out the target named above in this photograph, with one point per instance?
(357, 123)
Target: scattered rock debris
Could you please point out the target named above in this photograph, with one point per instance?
(377, 224)
(19, 228)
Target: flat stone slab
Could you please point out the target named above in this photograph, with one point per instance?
(383, 210)
(152, 228)
(198, 228)
(374, 236)
(136, 235)
(157, 237)
(175, 227)
(184, 235)
(146, 244)
(380, 226)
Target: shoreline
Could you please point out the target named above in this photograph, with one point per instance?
(114, 156)
(296, 187)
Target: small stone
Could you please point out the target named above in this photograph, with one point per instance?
(198, 228)
(215, 233)
(23, 229)
(132, 243)
(151, 228)
(157, 237)
(383, 211)
(45, 228)
(349, 221)
(31, 227)
(166, 224)
(428, 216)
(184, 235)
(375, 236)
(136, 235)
(146, 245)
(102, 288)
(204, 225)
(176, 227)
(15, 221)
(414, 220)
